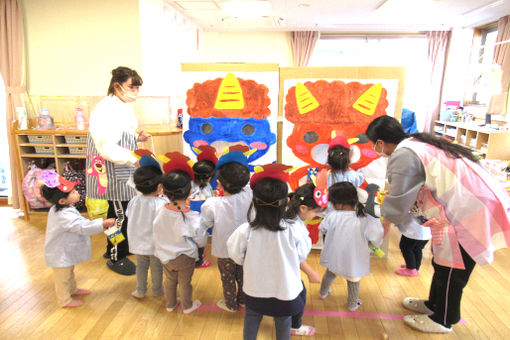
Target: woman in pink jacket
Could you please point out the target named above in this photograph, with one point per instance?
(445, 188)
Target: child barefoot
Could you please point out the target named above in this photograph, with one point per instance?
(177, 234)
(347, 230)
(67, 236)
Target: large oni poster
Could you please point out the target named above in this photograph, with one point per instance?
(235, 106)
(315, 109)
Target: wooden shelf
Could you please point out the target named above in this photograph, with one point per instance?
(55, 143)
(166, 138)
(489, 142)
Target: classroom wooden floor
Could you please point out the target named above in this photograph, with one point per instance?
(28, 308)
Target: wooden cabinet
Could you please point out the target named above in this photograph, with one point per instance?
(54, 148)
(48, 149)
(492, 144)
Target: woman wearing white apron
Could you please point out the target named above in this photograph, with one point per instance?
(112, 138)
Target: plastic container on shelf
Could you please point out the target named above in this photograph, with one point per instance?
(21, 114)
(80, 121)
(45, 121)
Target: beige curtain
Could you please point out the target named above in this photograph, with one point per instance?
(437, 48)
(11, 63)
(498, 103)
(302, 44)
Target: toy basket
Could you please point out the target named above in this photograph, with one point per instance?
(36, 139)
(76, 139)
(77, 150)
(44, 150)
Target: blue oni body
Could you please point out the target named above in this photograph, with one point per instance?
(256, 133)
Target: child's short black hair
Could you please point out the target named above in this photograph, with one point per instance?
(338, 158)
(53, 195)
(346, 193)
(269, 201)
(302, 196)
(147, 179)
(233, 177)
(176, 185)
(203, 170)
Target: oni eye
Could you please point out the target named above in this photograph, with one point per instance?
(311, 137)
(207, 129)
(248, 129)
(317, 194)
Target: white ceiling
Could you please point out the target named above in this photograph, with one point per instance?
(349, 15)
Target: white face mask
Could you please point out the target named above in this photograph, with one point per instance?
(129, 96)
(382, 153)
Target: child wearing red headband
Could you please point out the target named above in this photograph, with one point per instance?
(177, 233)
(339, 153)
(68, 234)
(270, 248)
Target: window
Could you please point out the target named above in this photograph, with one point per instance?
(480, 66)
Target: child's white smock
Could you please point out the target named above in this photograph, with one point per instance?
(413, 230)
(68, 237)
(175, 235)
(141, 212)
(345, 250)
(271, 259)
(200, 194)
(354, 177)
(224, 214)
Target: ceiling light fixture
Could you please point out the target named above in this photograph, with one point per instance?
(480, 9)
(247, 9)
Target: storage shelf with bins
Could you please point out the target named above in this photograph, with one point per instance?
(49, 149)
(491, 143)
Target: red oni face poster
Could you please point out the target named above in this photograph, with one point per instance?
(314, 110)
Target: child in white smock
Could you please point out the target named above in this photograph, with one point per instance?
(347, 230)
(178, 235)
(224, 214)
(201, 188)
(68, 234)
(271, 248)
(141, 212)
(339, 152)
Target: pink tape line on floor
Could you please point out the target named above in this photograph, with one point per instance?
(334, 314)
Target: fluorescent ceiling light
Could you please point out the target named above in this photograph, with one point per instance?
(480, 9)
(247, 9)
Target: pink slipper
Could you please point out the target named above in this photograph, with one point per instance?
(81, 292)
(403, 266)
(204, 264)
(407, 272)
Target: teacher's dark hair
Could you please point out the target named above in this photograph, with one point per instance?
(122, 74)
(389, 130)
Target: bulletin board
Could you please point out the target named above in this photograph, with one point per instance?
(232, 103)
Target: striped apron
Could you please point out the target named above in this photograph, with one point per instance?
(116, 175)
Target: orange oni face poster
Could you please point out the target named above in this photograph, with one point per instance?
(315, 108)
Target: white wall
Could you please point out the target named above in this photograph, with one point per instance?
(72, 45)
(249, 47)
